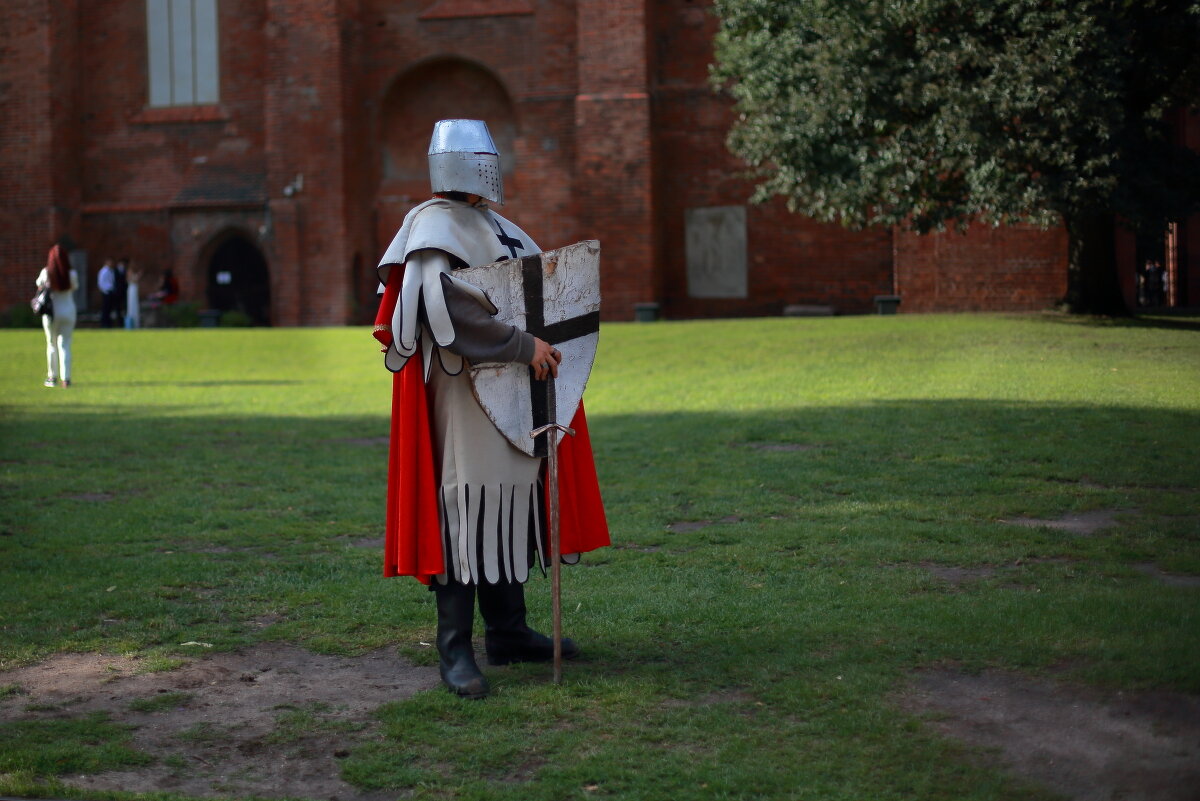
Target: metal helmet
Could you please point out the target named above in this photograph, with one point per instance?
(463, 158)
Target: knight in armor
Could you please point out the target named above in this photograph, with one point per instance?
(466, 510)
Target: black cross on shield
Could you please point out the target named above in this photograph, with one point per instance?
(554, 295)
(542, 393)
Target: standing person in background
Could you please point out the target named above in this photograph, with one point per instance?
(166, 294)
(62, 281)
(1164, 283)
(106, 281)
(1143, 283)
(121, 287)
(133, 317)
(168, 291)
(1159, 286)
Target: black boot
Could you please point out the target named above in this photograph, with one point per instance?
(507, 639)
(455, 615)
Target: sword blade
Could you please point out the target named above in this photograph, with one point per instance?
(555, 555)
(551, 430)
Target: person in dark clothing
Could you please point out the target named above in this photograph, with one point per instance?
(121, 287)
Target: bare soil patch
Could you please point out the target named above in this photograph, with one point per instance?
(1170, 579)
(1083, 482)
(782, 447)
(633, 546)
(270, 721)
(90, 497)
(955, 575)
(683, 526)
(362, 442)
(1084, 524)
(1086, 744)
(361, 542)
(960, 575)
(732, 696)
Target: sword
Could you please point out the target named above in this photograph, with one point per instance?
(551, 430)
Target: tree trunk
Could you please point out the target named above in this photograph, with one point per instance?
(1093, 286)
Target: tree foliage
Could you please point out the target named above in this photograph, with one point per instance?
(927, 113)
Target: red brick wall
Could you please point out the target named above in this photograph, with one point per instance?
(136, 155)
(358, 296)
(615, 134)
(515, 69)
(614, 160)
(143, 168)
(1018, 268)
(304, 137)
(38, 138)
(791, 259)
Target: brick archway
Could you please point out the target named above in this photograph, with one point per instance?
(442, 88)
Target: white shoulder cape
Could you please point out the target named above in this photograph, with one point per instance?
(471, 234)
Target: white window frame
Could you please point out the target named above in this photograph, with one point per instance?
(182, 52)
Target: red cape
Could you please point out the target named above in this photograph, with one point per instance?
(413, 542)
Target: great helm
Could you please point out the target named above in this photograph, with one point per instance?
(463, 158)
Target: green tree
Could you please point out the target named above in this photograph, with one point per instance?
(929, 113)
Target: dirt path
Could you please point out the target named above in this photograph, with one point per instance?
(274, 720)
(1083, 743)
(270, 721)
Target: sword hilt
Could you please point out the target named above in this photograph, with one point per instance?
(537, 432)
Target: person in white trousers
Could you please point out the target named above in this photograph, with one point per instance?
(59, 326)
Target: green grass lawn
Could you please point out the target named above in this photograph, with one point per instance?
(196, 482)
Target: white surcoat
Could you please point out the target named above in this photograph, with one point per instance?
(489, 505)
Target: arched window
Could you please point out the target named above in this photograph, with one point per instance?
(438, 90)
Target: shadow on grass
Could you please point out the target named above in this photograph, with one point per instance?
(200, 524)
(1187, 319)
(235, 383)
(652, 466)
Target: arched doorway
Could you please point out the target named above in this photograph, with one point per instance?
(238, 279)
(444, 88)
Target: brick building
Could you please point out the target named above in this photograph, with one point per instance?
(266, 151)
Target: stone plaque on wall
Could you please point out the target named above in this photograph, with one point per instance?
(716, 251)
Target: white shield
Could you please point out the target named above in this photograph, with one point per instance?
(554, 295)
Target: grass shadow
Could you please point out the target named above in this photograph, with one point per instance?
(1186, 319)
(768, 638)
(204, 524)
(177, 383)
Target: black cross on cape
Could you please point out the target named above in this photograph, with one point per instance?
(509, 242)
(541, 393)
